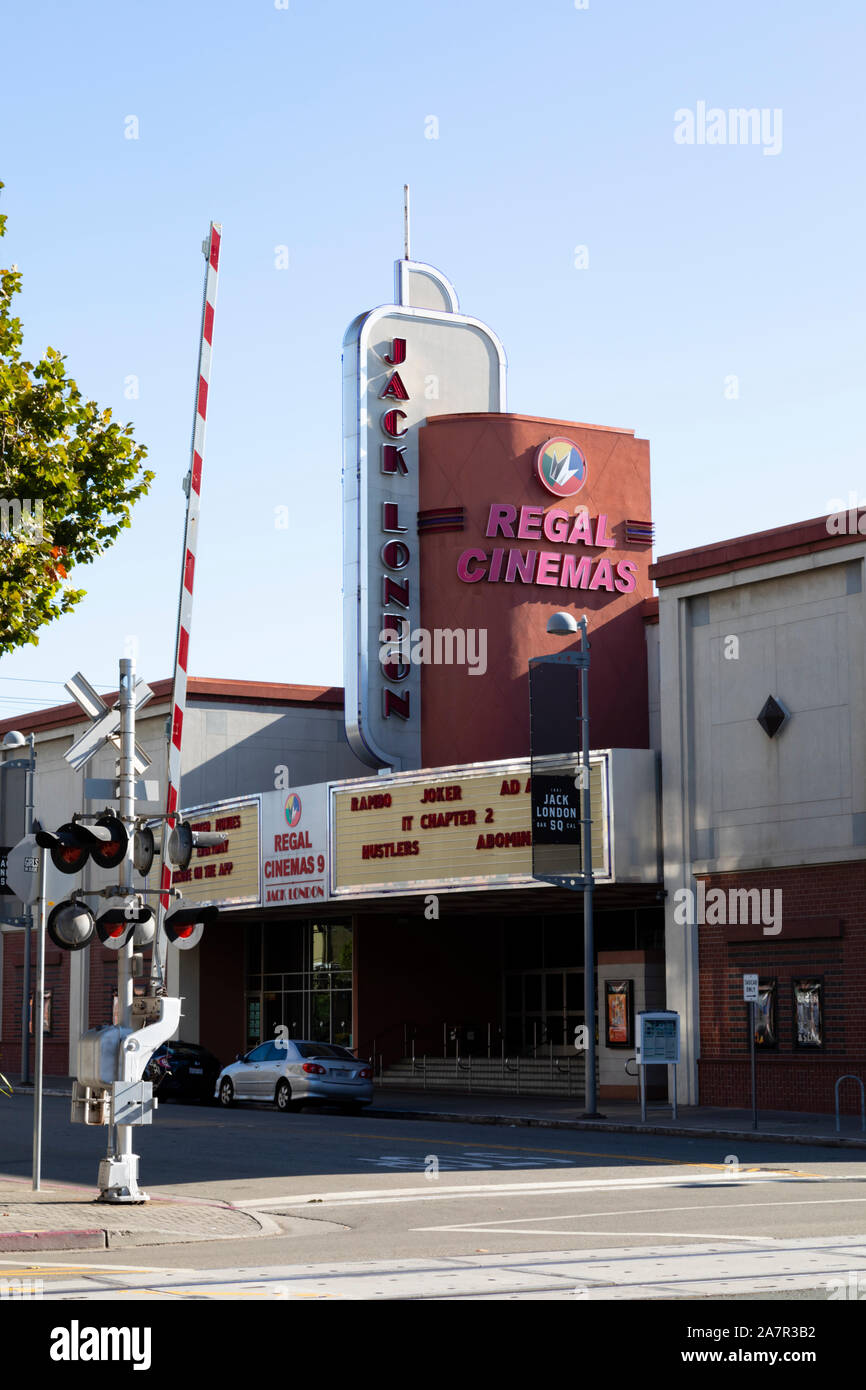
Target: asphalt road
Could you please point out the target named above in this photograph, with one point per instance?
(379, 1208)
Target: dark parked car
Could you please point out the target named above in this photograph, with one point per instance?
(183, 1071)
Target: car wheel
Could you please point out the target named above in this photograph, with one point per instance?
(283, 1096)
(227, 1093)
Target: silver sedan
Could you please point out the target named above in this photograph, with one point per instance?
(292, 1072)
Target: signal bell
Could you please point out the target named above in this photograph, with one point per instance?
(144, 848)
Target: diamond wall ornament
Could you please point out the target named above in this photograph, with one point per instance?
(773, 716)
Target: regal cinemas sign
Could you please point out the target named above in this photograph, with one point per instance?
(402, 364)
(547, 555)
(561, 468)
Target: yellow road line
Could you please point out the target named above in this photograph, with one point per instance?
(240, 1293)
(20, 1270)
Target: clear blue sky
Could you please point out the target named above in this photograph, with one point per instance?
(298, 127)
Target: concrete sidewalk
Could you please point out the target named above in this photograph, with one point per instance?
(704, 1121)
(63, 1216)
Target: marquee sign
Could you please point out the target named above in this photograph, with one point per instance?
(466, 827)
(226, 875)
(402, 364)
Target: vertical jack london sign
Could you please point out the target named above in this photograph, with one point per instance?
(402, 364)
(557, 777)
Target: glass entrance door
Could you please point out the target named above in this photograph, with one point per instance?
(542, 1010)
(299, 975)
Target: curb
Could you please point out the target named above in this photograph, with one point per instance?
(749, 1136)
(29, 1090)
(105, 1238)
(93, 1239)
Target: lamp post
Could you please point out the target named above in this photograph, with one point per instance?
(565, 625)
(15, 739)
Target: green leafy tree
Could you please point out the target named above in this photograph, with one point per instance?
(69, 477)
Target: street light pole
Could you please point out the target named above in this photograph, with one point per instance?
(28, 928)
(15, 739)
(565, 625)
(591, 1097)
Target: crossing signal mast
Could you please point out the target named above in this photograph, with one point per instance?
(109, 1087)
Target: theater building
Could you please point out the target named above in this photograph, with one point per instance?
(377, 880)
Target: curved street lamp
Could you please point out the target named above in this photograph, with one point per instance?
(566, 625)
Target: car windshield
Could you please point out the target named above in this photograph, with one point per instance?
(326, 1050)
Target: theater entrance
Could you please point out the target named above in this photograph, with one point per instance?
(542, 1010)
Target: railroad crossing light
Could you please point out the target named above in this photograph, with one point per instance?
(115, 926)
(143, 850)
(73, 843)
(183, 840)
(184, 927)
(108, 853)
(70, 925)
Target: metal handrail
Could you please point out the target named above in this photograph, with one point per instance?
(473, 1072)
(849, 1076)
(405, 1024)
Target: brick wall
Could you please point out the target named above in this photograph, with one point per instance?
(55, 1043)
(102, 991)
(823, 935)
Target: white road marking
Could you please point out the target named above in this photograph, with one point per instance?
(435, 1190)
(470, 1159)
(512, 1222)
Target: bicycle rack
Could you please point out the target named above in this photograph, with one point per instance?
(849, 1076)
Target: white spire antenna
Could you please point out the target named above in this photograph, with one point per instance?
(406, 255)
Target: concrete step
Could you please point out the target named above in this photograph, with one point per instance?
(524, 1076)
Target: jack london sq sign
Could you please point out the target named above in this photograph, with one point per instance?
(402, 364)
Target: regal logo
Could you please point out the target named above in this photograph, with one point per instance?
(561, 467)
